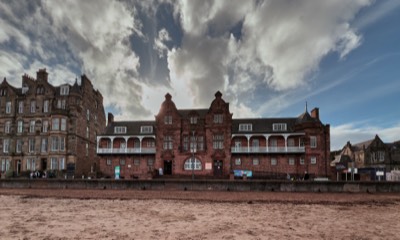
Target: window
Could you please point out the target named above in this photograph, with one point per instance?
(63, 124)
(87, 149)
(313, 160)
(150, 161)
(218, 141)
(18, 146)
(301, 161)
(313, 141)
(193, 165)
(62, 163)
(88, 114)
(193, 144)
(55, 126)
(45, 126)
(238, 161)
(255, 143)
(63, 104)
(20, 128)
(6, 145)
(256, 161)
(32, 126)
(168, 119)
(378, 156)
(200, 143)
(185, 143)
(44, 145)
(31, 142)
(278, 127)
(301, 142)
(46, 106)
(108, 162)
(8, 107)
(5, 165)
(290, 142)
(218, 118)
(120, 129)
(53, 163)
(3, 92)
(54, 143)
(136, 161)
(150, 144)
(64, 90)
(168, 145)
(7, 127)
(87, 132)
(62, 143)
(33, 106)
(193, 120)
(122, 162)
(274, 142)
(21, 107)
(291, 161)
(245, 127)
(146, 129)
(273, 161)
(30, 164)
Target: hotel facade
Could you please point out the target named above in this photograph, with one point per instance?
(209, 143)
(49, 128)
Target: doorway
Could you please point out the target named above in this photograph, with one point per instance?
(44, 164)
(167, 167)
(18, 167)
(218, 167)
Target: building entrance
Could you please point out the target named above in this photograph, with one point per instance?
(167, 167)
(218, 167)
(44, 164)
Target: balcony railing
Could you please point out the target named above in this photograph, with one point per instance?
(126, 150)
(267, 149)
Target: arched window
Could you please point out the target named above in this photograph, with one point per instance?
(196, 166)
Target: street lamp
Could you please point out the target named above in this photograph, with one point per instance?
(193, 148)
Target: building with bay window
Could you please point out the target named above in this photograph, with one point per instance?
(45, 127)
(210, 143)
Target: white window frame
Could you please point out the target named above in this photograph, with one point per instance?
(302, 162)
(55, 124)
(274, 162)
(31, 145)
(197, 166)
(21, 107)
(64, 90)
(279, 127)
(193, 120)
(18, 146)
(46, 106)
(291, 161)
(31, 164)
(238, 161)
(45, 126)
(168, 119)
(218, 118)
(44, 145)
(119, 129)
(245, 127)
(53, 163)
(313, 141)
(20, 127)
(146, 129)
(6, 145)
(8, 107)
(108, 162)
(168, 142)
(313, 160)
(33, 106)
(218, 141)
(32, 125)
(7, 127)
(62, 144)
(256, 161)
(54, 143)
(61, 164)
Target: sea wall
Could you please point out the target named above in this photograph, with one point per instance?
(205, 185)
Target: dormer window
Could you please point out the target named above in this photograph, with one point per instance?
(245, 127)
(3, 92)
(64, 90)
(279, 127)
(25, 89)
(193, 120)
(146, 129)
(120, 129)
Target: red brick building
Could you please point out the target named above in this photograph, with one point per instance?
(49, 128)
(209, 143)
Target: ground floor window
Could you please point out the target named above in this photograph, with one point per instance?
(108, 162)
(193, 165)
(291, 161)
(5, 165)
(54, 163)
(238, 161)
(136, 161)
(273, 161)
(313, 160)
(256, 161)
(150, 162)
(30, 164)
(301, 161)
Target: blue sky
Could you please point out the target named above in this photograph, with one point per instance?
(267, 57)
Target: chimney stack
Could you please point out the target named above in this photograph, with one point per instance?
(110, 119)
(315, 113)
(42, 75)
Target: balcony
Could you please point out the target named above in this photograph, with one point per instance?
(126, 150)
(267, 149)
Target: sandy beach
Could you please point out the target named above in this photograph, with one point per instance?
(116, 214)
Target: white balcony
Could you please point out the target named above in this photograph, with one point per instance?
(126, 150)
(267, 149)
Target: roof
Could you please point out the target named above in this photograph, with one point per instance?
(132, 127)
(361, 145)
(305, 117)
(186, 112)
(263, 125)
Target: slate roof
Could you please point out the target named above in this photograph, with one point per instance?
(132, 127)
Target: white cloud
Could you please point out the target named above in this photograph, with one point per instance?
(356, 133)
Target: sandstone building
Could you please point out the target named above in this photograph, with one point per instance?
(46, 127)
(210, 143)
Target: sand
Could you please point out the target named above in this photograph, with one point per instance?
(116, 214)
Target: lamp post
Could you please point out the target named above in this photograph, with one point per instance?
(193, 148)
